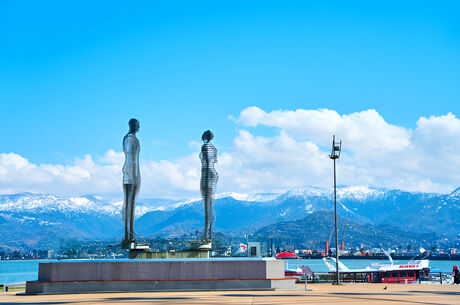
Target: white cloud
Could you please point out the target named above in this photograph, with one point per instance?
(262, 164)
(362, 131)
(375, 153)
(17, 174)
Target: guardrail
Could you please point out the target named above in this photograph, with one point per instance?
(442, 278)
(437, 277)
(6, 287)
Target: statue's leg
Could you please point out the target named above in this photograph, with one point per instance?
(134, 191)
(126, 211)
(206, 217)
(210, 217)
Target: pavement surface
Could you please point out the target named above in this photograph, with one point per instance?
(320, 294)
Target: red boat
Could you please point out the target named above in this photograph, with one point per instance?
(391, 273)
(286, 255)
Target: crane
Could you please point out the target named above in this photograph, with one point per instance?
(343, 239)
(326, 253)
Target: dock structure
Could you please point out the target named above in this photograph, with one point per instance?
(160, 275)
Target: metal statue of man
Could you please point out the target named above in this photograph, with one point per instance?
(131, 178)
(208, 181)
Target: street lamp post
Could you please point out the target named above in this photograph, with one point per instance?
(336, 148)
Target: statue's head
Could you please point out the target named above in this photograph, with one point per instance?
(133, 125)
(207, 136)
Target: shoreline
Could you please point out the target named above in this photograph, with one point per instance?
(455, 257)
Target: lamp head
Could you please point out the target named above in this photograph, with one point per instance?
(336, 148)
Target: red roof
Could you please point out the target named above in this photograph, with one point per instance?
(286, 255)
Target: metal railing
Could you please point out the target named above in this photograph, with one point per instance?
(442, 278)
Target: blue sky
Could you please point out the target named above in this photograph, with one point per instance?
(73, 73)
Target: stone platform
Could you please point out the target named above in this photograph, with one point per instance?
(159, 275)
(147, 254)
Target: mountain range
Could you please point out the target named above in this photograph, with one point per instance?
(42, 221)
(312, 231)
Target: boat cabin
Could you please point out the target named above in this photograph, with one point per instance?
(396, 276)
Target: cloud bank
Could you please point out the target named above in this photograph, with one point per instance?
(375, 152)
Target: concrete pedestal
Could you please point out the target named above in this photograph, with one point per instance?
(159, 275)
(147, 254)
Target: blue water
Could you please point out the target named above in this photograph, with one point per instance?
(19, 271)
(27, 270)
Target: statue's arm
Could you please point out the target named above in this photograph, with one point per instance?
(128, 144)
(136, 166)
(129, 150)
(204, 154)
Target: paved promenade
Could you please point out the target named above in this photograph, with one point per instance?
(321, 294)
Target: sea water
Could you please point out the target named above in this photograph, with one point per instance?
(19, 271)
(27, 270)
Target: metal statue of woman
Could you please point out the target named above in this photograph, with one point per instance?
(208, 181)
(131, 178)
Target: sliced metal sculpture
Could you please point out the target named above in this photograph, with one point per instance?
(208, 181)
(131, 179)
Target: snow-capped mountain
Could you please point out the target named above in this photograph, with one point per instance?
(455, 193)
(37, 219)
(27, 202)
(419, 212)
(41, 203)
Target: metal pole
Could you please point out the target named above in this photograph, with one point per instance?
(336, 236)
(247, 245)
(271, 247)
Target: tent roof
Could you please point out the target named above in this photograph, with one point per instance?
(286, 255)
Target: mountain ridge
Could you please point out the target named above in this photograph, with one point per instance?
(30, 219)
(312, 231)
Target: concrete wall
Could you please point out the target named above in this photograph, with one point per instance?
(161, 270)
